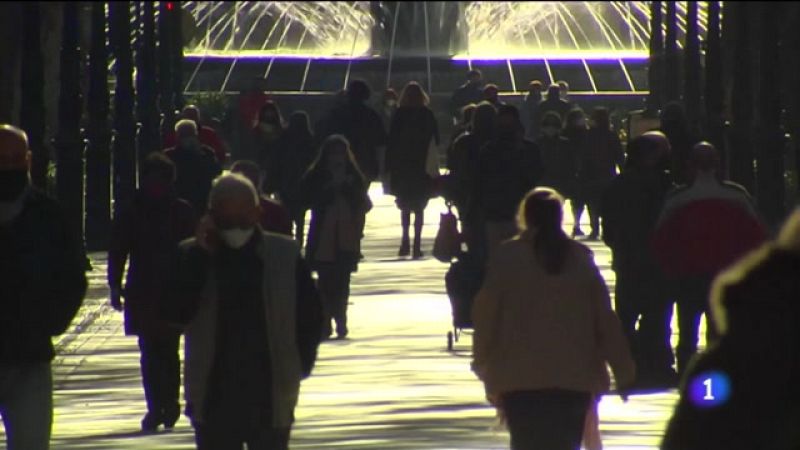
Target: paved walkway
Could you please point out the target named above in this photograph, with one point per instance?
(392, 385)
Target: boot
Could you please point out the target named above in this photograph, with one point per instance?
(405, 247)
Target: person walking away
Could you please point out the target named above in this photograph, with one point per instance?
(508, 167)
(195, 166)
(266, 141)
(246, 112)
(674, 125)
(146, 235)
(543, 328)
(530, 110)
(251, 317)
(575, 131)
(42, 285)
(274, 216)
(559, 158)
(703, 228)
(361, 125)
(463, 165)
(295, 154)
(599, 158)
(554, 103)
(386, 109)
(411, 136)
(207, 135)
(462, 127)
(630, 210)
(336, 191)
(469, 92)
(755, 315)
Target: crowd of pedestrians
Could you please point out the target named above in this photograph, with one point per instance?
(223, 258)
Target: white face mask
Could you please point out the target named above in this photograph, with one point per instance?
(236, 238)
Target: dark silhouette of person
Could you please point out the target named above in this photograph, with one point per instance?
(274, 216)
(146, 236)
(361, 125)
(544, 331)
(208, 136)
(630, 210)
(491, 94)
(674, 125)
(600, 158)
(559, 157)
(251, 316)
(469, 92)
(575, 131)
(336, 191)
(529, 112)
(265, 144)
(295, 155)
(755, 314)
(508, 167)
(195, 165)
(246, 112)
(555, 103)
(42, 285)
(703, 227)
(412, 134)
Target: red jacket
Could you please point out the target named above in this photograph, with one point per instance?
(274, 217)
(207, 137)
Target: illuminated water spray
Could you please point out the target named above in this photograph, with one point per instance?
(503, 30)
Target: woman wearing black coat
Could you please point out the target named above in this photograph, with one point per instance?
(295, 154)
(412, 132)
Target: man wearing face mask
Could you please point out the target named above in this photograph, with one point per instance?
(147, 236)
(195, 165)
(252, 320)
(42, 284)
(509, 166)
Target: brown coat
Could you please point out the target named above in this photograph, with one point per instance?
(534, 330)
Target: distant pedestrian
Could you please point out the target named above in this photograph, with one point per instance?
(413, 134)
(469, 92)
(559, 157)
(146, 236)
(555, 103)
(195, 166)
(681, 140)
(274, 216)
(42, 285)
(295, 155)
(336, 191)
(544, 330)
(576, 131)
(252, 322)
(491, 94)
(265, 144)
(531, 118)
(207, 135)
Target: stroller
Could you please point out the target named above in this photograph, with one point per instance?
(463, 281)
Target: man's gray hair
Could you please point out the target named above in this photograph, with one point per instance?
(186, 123)
(230, 185)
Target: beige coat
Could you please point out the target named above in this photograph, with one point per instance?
(538, 331)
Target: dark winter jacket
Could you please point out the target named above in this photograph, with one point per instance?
(558, 106)
(410, 137)
(507, 170)
(463, 164)
(363, 127)
(195, 170)
(42, 280)
(759, 352)
(600, 158)
(147, 235)
(295, 154)
(560, 160)
(465, 94)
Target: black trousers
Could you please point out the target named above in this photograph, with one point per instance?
(548, 419)
(221, 436)
(334, 288)
(692, 298)
(641, 295)
(161, 373)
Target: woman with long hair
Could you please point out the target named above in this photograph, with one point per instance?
(411, 135)
(336, 191)
(544, 329)
(295, 154)
(266, 138)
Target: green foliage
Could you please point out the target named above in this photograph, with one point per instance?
(213, 105)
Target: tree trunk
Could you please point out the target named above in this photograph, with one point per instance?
(124, 146)
(741, 156)
(32, 111)
(672, 73)
(166, 96)
(69, 141)
(693, 71)
(98, 155)
(147, 104)
(770, 164)
(714, 86)
(655, 72)
(177, 56)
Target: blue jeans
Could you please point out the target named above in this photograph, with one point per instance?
(26, 404)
